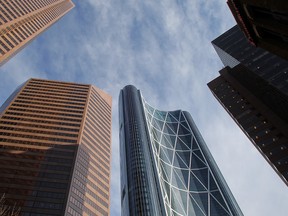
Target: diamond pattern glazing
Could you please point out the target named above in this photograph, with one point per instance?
(188, 184)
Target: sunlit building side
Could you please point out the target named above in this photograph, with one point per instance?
(21, 21)
(55, 149)
(166, 167)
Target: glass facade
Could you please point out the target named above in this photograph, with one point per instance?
(232, 46)
(253, 89)
(140, 192)
(259, 109)
(187, 179)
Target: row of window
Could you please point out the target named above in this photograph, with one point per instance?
(56, 89)
(12, 6)
(94, 161)
(34, 167)
(97, 134)
(58, 85)
(5, 47)
(93, 173)
(76, 202)
(93, 142)
(99, 190)
(100, 210)
(31, 165)
(63, 113)
(52, 96)
(40, 121)
(51, 104)
(98, 108)
(102, 101)
(97, 116)
(47, 205)
(73, 212)
(28, 28)
(26, 125)
(258, 128)
(43, 107)
(99, 131)
(23, 7)
(6, 12)
(38, 137)
(12, 39)
(61, 150)
(5, 40)
(37, 131)
(95, 178)
(47, 194)
(94, 205)
(54, 92)
(77, 192)
(15, 171)
(97, 198)
(96, 154)
(15, 113)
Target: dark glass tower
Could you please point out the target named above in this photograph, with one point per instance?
(233, 48)
(166, 167)
(264, 23)
(253, 89)
(259, 109)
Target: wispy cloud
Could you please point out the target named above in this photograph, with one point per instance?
(163, 48)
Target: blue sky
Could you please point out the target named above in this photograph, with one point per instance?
(163, 48)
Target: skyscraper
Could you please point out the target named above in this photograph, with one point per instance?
(21, 21)
(264, 23)
(259, 109)
(166, 167)
(233, 48)
(253, 89)
(55, 147)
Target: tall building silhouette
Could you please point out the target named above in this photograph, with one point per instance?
(259, 109)
(253, 90)
(55, 149)
(23, 20)
(166, 167)
(233, 48)
(264, 23)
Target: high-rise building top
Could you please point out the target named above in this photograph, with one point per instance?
(166, 167)
(264, 23)
(21, 21)
(55, 149)
(233, 48)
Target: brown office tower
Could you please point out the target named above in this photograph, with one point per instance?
(259, 109)
(264, 22)
(55, 147)
(22, 20)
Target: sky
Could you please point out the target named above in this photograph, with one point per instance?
(163, 48)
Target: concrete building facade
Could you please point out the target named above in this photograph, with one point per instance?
(21, 21)
(55, 149)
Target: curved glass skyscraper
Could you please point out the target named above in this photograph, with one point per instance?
(166, 167)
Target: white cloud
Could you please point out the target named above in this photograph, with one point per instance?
(163, 48)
